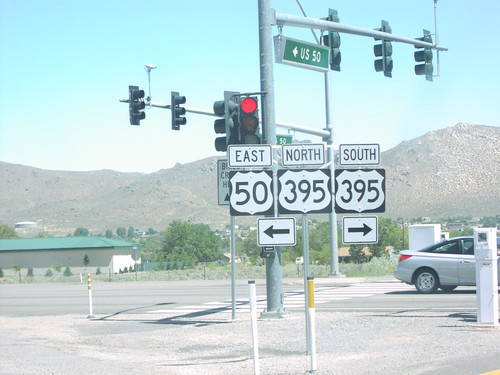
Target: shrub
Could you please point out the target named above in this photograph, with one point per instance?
(1, 272)
(30, 272)
(57, 266)
(67, 272)
(49, 273)
(98, 271)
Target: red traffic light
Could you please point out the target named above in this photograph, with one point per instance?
(249, 105)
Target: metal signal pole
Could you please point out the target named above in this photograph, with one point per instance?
(274, 286)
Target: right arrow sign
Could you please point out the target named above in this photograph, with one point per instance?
(360, 229)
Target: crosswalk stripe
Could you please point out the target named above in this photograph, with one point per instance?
(295, 299)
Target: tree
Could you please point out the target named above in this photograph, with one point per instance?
(17, 268)
(186, 242)
(57, 266)
(86, 261)
(356, 253)
(130, 232)
(6, 231)
(248, 247)
(109, 233)
(389, 234)
(121, 232)
(67, 272)
(81, 232)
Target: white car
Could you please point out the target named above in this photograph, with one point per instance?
(444, 265)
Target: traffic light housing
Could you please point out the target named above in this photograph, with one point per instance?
(424, 55)
(249, 120)
(384, 51)
(228, 125)
(136, 105)
(177, 111)
(332, 40)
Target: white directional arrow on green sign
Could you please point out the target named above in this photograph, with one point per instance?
(301, 54)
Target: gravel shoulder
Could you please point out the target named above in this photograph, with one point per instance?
(397, 342)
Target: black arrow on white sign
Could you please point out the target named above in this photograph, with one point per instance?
(365, 229)
(271, 231)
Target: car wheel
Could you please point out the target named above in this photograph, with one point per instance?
(448, 288)
(426, 281)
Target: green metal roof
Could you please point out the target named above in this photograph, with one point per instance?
(61, 243)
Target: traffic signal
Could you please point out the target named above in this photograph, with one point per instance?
(249, 120)
(177, 112)
(384, 50)
(332, 40)
(136, 105)
(227, 108)
(424, 55)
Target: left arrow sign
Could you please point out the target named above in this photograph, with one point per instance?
(278, 231)
(271, 231)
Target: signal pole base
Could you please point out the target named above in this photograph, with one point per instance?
(279, 314)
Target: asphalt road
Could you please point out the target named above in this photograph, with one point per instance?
(363, 326)
(185, 296)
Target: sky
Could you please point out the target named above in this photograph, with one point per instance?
(64, 65)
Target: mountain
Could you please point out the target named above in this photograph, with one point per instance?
(450, 172)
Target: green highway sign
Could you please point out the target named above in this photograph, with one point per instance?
(306, 55)
(284, 139)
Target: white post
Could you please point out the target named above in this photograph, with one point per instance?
(253, 317)
(89, 282)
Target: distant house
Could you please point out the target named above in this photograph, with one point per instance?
(68, 251)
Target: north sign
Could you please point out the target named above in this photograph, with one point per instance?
(278, 231)
(240, 156)
(302, 154)
(362, 154)
(306, 55)
(357, 229)
(359, 190)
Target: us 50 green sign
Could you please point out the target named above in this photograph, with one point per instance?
(301, 54)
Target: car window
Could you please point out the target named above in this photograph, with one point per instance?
(468, 246)
(447, 248)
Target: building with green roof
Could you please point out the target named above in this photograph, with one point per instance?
(68, 251)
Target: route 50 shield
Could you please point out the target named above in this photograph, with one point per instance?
(304, 191)
(251, 193)
(359, 190)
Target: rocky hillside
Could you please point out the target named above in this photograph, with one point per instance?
(453, 171)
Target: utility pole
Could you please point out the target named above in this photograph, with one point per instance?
(274, 286)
